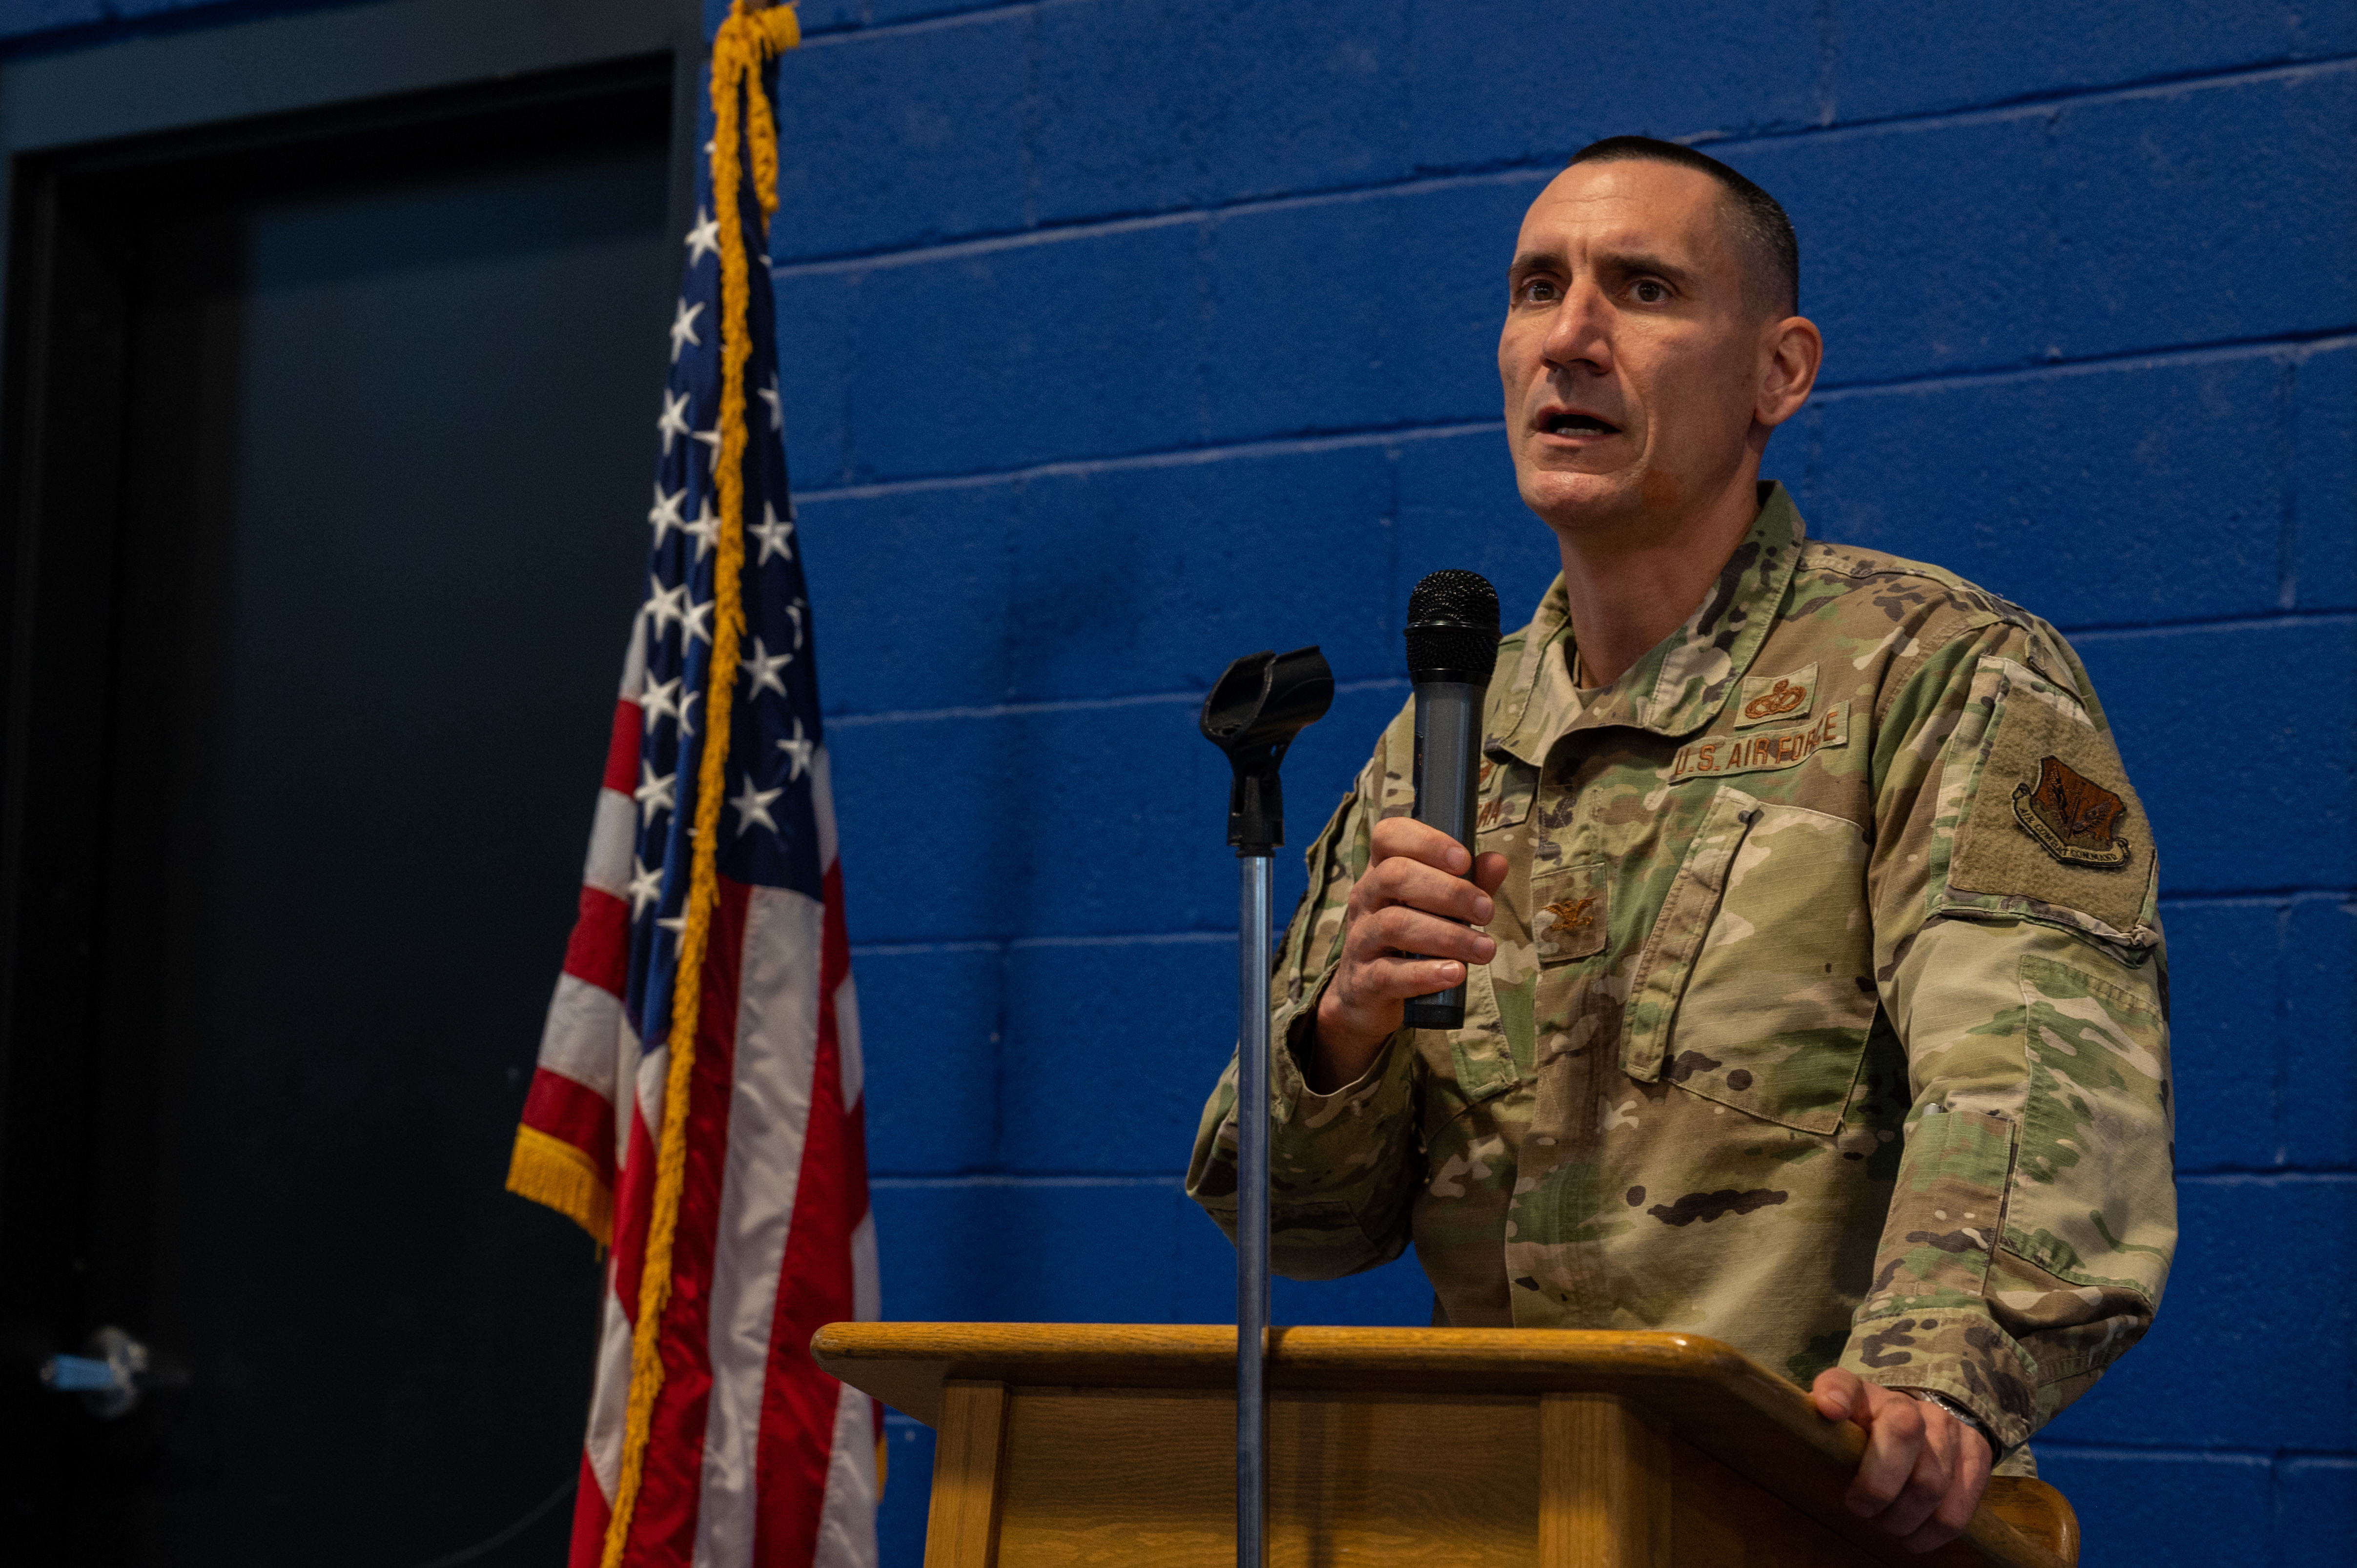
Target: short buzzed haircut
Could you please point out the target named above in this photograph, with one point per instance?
(1771, 251)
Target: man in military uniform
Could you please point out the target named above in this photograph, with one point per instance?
(1816, 993)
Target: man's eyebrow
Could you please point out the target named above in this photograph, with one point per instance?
(1631, 263)
(1624, 262)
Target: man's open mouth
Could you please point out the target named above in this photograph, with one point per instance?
(1577, 425)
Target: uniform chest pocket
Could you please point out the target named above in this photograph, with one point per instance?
(1755, 987)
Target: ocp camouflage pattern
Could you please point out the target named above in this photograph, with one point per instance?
(1797, 1036)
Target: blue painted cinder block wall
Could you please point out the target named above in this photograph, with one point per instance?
(1124, 336)
(1127, 335)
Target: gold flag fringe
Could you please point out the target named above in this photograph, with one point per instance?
(551, 1171)
(743, 44)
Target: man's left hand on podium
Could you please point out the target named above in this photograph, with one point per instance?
(1923, 1470)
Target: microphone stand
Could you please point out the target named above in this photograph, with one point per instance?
(1262, 702)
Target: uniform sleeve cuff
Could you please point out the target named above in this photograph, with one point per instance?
(1957, 1352)
(1290, 1038)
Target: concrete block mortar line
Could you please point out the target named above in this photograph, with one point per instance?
(2260, 622)
(2272, 1175)
(1160, 457)
(1070, 705)
(1535, 170)
(2029, 106)
(2292, 348)
(990, 242)
(2255, 895)
(1827, 37)
(865, 30)
(2288, 529)
(2284, 901)
(2218, 1455)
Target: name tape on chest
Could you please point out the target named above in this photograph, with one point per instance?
(1719, 755)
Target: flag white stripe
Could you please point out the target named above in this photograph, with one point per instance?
(846, 1525)
(866, 1284)
(823, 807)
(578, 1041)
(613, 839)
(769, 1117)
(847, 1035)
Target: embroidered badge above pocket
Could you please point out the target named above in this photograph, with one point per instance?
(1568, 911)
(1768, 698)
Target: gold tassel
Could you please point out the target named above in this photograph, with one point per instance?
(748, 39)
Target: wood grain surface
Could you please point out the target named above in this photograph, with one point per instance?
(1123, 1477)
(1605, 1482)
(1707, 1394)
(962, 1528)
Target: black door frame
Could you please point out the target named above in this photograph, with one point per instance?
(193, 89)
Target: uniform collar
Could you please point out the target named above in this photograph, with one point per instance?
(1680, 685)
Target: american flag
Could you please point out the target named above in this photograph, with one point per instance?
(751, 1455)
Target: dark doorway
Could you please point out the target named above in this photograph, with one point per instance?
(325, 474)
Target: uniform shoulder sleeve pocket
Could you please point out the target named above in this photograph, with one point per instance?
(2037, 819)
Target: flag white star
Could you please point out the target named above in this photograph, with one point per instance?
(694, 619)
(658, 701)
(675, 925)
(711, 439)
(687, 722)
(683, 329)
(705, 530)
(796, 610)
(753, 806)
(763, 667)
(799, 749)
(704, 240)
(665, 605)
(664, 514)
(672, 420)
(646, 886)
(654, 794)
(768, 394)
(775, 535)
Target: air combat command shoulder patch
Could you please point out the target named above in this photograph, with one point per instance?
(2072, 817)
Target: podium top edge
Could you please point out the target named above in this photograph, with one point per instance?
(1702, 1389)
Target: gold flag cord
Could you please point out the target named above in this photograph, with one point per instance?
(748, 39)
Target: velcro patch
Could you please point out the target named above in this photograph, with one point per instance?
(1718, 756)
(2052, 816)
(1765, 699)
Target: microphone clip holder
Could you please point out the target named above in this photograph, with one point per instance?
(1252, 712)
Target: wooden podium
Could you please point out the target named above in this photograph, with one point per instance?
(1115, 1444)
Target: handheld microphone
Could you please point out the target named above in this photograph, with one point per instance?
(1452, 647)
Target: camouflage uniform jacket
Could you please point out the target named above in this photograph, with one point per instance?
(1828, 1014)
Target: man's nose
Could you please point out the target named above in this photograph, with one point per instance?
(1580, 334)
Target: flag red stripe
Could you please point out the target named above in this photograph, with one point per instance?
(633, 1210)
(599, 951)
(622, 751)
(590, 1514)
(574, 1112)
(815, 1285)
(663, 1526)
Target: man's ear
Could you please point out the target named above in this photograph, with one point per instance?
(1791, 351)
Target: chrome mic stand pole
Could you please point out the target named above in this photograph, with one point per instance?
(1252, 713)
(1254, 914)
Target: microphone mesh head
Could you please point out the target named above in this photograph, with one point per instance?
(1452, 628)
